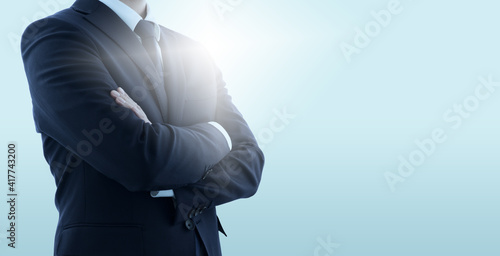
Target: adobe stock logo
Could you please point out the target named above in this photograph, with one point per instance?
(373, 28)
(280, 120)
(326, 247)
(224, 6)
(454, 117)
(47, 8)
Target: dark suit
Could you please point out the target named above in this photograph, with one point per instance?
(106, 160)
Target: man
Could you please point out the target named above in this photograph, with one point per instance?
(137, 127)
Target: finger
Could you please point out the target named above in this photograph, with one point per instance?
(137, 110)
(124, 94)
(115, 94)
(130, 104)
(120, 99)
(139, 113)
(123, 102)
(120, 90)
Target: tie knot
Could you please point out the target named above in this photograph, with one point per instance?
(146, 29)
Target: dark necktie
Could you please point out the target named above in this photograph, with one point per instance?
(146, 30)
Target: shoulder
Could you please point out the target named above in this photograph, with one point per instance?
(188, 47)
(178, 37)
(63, 24)
(181, 41)
(67, 19)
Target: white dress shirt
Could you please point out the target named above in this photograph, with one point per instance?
(132, 18)
(129, 16)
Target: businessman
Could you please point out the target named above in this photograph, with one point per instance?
(139, 131)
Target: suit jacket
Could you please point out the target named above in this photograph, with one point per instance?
(105, 160)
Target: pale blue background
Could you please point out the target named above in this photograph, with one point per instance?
(324, 175)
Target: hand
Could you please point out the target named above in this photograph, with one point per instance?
(122, 99)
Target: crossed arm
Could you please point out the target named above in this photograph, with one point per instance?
(70, 88)
(236, 176)
(226, 184)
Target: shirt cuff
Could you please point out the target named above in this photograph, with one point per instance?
(223, 131)
(162, 193)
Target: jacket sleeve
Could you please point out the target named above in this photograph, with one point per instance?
(237, 175)
(70, 89)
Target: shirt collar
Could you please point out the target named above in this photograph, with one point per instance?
(129, 16)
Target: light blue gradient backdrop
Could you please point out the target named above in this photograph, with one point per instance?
(324, 175)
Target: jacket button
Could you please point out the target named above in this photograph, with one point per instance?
(198, 211)
(189, 224)
(191, 213)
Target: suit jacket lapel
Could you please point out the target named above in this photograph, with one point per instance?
(106, 20)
